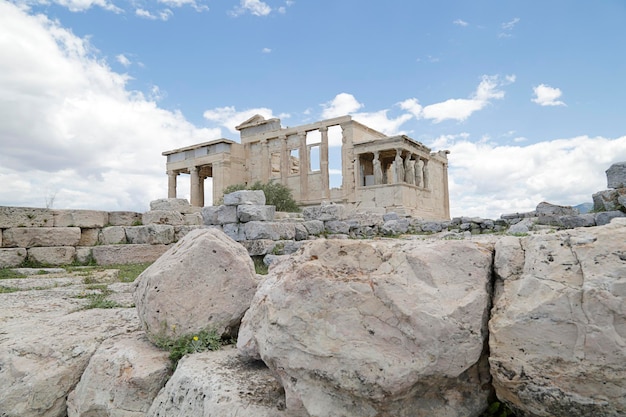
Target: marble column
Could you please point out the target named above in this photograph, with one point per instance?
(419, 181)
(304, 167)
(285, 165)
(324, 163)
(195, 187)
(171, 184)
(426, 174)
(409, 170)
(266, 165)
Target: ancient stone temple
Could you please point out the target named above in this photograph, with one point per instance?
(336, 160)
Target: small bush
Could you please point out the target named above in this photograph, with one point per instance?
(276, 194)
(259, 266)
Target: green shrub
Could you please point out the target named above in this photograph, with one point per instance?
(276, 194)
(192, 343)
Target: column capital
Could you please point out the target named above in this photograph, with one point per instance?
(323, 129)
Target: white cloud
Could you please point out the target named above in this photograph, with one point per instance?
(229, 117)
(266, 50)
(122, 59)
(70, 127)
(547, 96)
(341, 105)
(510, 24)
(73, 5)
(460, 22)
(413, 106)
(488, 180)
(255, 7)
(180, 3)
(461, 109)
(164, 14)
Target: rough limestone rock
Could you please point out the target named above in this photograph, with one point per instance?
(218, 215)
(376, 328)
(170, 217)
(220, 384)
(249, 213)
(122, 379)
(558, 326)
(25, 217)
(55, 255)
(608, 200)
(43, 351)
(112, 235)
(10, 258)
(205, 281)
(126, 254)
(269, 230)
(249, 197)
(179, 205)
(124, 218)
(616, 175)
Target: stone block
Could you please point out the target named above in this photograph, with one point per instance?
(336, 227)
(325, 212)
(258, 247)
(616, 175)
(89, 237)
(395, 227)
(548, 209)
(193, 219)
(54, 255)
(25, 217)
(152, 234)
(83, 255)
(127, 254)
(605, 217)
(172, 218)
(269, 230)
(80, 218)
(11, 258)
(26, 237)
(124, 218)
(301, 232)
(390, 216)
(212, 215)
(607, 200)
(179, 205)
(234, 231)
(314, 227)
(180, 231)
(582, 220)
(431, 227)
(255, 197)
(249, 213)
(112, 235)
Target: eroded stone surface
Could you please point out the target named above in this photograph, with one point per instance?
(558, 328)
(356, 328)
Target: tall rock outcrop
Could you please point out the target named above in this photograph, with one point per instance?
(558, 328)
(376, 328)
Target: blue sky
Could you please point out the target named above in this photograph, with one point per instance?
(527, 95)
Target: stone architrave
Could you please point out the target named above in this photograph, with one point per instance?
(356, 328)
(558, 324)
(26, 237)
(616, 175)
(89, 219)
(204, 282)
(123, 377)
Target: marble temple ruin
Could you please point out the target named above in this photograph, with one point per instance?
(337, 160)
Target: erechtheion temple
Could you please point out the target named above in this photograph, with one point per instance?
(336, 160)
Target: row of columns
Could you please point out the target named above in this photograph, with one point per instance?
(407, 170)
(196, 185)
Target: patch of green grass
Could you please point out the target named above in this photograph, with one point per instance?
(6, 273)
(191, 343)
(259, 266)
(130, 272)
(6, 290)
(497, 409)
(100, 301)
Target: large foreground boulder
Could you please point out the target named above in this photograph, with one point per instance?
(205, 281)
(558, 327)
(220, 384)
(377, 328)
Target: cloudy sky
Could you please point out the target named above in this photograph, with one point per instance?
(528, 96)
